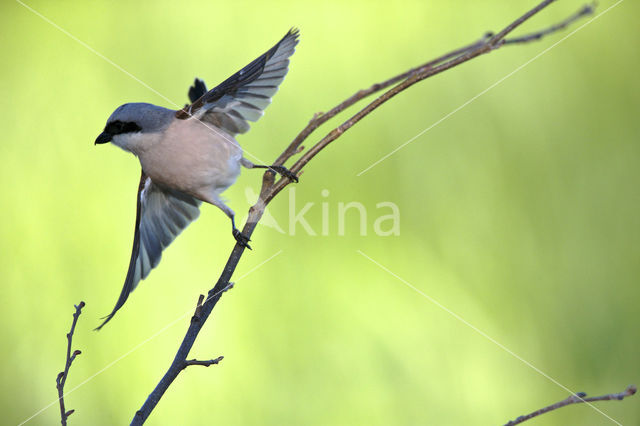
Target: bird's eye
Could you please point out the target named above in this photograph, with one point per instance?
(130, 127)
(114, 128)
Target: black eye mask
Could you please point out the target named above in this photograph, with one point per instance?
(117, 127)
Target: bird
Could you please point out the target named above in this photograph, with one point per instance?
(190, 156)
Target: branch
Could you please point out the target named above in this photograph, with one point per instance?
(203, 363)
(62, 376)
(320, 118)
(586, 10)
(271, 188)
(578, 398)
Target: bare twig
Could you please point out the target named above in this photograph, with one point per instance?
(62, 376)
(578, 398)
(488, 44)
(271, 188)
(320, 118)
(586, 10)
(206, 363)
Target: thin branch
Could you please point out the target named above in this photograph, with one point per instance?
(586, 10)
(578, 398)
(320, 118)
(498, 38)
(206, 363)
(488, 44)
(271, 188)
(62, 376)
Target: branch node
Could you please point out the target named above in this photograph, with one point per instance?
(316, 116)
(198, 312)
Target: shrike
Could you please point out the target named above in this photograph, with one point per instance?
(191, 155)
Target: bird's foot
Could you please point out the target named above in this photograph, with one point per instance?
(283, 171)
(242, 239)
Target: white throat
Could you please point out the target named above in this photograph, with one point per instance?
(136, 142)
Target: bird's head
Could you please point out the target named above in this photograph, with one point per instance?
(130, 123)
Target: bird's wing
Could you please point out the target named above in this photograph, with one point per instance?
(244, 96)
(161, 215)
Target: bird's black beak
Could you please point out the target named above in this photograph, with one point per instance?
(103, 138)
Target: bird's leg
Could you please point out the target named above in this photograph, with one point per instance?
(281, 170)
(242, 239)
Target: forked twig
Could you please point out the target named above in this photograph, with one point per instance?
(63, 375)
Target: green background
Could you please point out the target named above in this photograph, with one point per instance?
(519, 213)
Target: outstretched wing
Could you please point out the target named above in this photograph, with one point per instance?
(244, 96)
(161, 215)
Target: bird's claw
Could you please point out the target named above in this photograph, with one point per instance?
(242, 239)
(283, 171)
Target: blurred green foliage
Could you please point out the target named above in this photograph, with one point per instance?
(519, 213)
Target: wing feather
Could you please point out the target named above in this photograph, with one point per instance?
(161, 215)
(243, 97)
